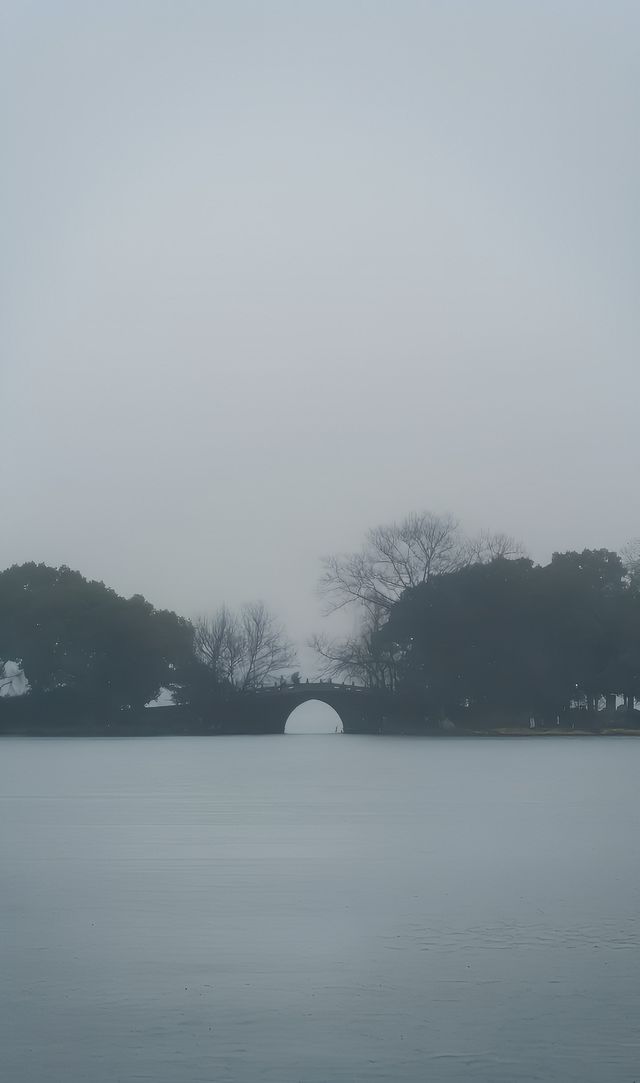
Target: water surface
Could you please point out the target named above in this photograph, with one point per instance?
(319, 909)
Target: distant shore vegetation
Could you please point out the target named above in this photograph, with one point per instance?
(455, 626)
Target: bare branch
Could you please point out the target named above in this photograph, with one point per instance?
(394, 558)
(488, 546)
(243, 650)
(363, 658)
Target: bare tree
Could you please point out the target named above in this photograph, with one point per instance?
(246, 649)
(267, 649)
(488, 546)
(402, 555)
(393, 558)
(219, 644)
(359, 658)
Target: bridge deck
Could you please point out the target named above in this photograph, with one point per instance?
(308, 687)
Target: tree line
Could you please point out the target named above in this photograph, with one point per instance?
(84, 648)
(473, 625)
(450, 622)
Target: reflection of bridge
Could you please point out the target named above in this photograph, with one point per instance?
(266, 710)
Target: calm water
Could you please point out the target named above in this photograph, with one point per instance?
(317, 909)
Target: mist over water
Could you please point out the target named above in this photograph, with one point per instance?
(315, 314)
(336, 908)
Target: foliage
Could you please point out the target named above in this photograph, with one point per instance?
(398, 556)
(453, 624)
(510, 635)
(71, 633)
(395, 558)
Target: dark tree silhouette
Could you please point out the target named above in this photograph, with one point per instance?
(78, 636)
(508, 636)
(395, 558)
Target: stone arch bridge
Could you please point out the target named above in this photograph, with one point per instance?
(266, 710)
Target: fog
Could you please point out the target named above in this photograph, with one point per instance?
(274, 274)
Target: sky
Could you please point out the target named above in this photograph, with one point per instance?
(274, 273)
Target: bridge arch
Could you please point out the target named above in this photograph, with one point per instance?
(359, 708)
(313, 716)
(266, 710)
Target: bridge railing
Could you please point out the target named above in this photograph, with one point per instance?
(309, 686)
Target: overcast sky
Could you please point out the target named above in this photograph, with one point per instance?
(277, 272)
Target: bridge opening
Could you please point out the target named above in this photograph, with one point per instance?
(314, 717)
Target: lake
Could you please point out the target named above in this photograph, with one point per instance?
(319, 909)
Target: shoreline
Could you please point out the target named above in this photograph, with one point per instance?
(499, 732)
